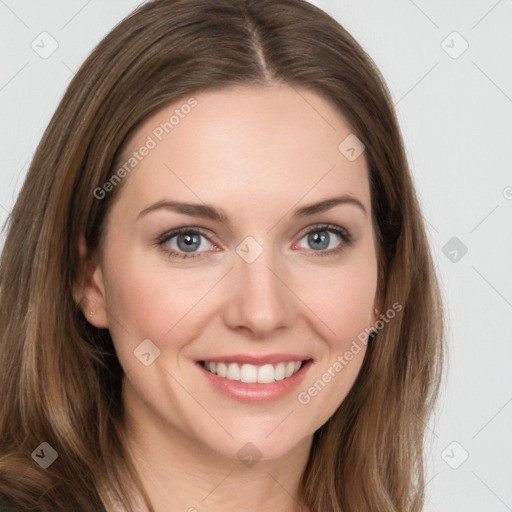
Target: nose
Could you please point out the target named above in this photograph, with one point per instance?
(259, 299)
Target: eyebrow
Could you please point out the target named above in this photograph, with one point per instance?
(209, 212)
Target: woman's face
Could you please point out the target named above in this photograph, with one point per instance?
(256, 280)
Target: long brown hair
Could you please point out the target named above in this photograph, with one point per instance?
(61, 381)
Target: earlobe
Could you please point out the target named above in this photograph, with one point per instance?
(88, 288)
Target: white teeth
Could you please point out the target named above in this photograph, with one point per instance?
(250, 373)
(221, 369)
(288, 372)
(233, 372)
(266, 374)
(279, 372)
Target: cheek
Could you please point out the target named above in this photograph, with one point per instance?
(135, 298)
(343, 302)
(342, 298)
(344, 313)
(145, 300)
(142, 302)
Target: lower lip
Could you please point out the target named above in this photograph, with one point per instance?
(255, 392)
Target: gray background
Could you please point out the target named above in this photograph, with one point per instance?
(455, 110)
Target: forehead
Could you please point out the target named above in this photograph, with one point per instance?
(260, 142)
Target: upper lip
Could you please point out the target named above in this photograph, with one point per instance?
(257, 360)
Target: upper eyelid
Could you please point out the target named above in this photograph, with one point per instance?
(165, 237)
(327, 226)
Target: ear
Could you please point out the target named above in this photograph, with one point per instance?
(89, 289)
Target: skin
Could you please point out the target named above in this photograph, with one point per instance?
(257, 153)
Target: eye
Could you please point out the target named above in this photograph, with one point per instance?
(184, 242)
(321, 241)
(191, 242)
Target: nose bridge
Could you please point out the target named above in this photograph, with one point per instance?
(258, 299)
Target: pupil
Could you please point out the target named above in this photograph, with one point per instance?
(190, 241)
(322, 237)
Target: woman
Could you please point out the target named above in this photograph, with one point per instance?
(171, 339)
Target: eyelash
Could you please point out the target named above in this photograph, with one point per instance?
(345, 236)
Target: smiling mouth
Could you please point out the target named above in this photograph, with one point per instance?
(250, 373)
